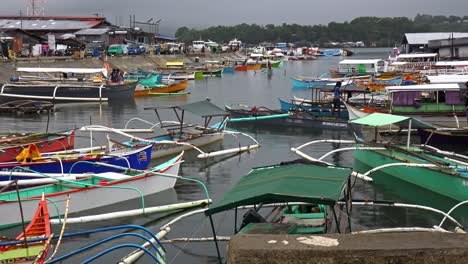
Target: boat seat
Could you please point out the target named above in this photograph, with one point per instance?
(113, 176)
(311, 222)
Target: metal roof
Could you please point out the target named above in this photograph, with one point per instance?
(423, 38)
(285, 183)
(165, 37)
(51, 24)
(371, 61)
(92, 31)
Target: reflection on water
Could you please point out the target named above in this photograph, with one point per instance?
(219, 174)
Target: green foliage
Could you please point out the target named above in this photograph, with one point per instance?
(381, 31)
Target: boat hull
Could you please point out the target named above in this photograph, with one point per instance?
(67, 93)
(138, 159)
(323, 109)
(457, 137)
(301, 120)
(162, 150)
(50, 144)
(439, 182)
(167, 89)
(94, 197)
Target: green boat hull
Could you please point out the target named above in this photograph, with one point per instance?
(275, 64)
(440, 181)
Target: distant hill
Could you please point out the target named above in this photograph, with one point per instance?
(373, 31)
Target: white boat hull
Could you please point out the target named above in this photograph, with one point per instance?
(162, 150)
(89, 198)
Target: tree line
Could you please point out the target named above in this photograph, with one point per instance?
(373, 31)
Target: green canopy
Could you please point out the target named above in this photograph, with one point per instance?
(380, 119)
(287, 183)
(203, 108)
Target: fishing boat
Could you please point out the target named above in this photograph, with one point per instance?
(26, 107)
(95, 191)
(137, 158)
(297, 201)
(320, 107)
(30, 252)
(65, 89)
(441, 172)
(178, 135)
(442, 136)
(254, 67)
(11, 144)
(263, 116)
(241, 68)
(143, 90)
(320, 82)
(229, 69)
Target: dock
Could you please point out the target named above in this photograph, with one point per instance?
(408, 248)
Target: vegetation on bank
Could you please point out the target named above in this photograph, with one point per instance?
(373, 31)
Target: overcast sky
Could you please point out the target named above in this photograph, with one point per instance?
(204, 13)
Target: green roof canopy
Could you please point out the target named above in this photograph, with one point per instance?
(287, 183)
(203, 108)
(380, 119)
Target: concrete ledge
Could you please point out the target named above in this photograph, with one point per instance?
(364, 248)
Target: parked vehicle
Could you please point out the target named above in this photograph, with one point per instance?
(134, 49)
(92, 47)
(117, 49)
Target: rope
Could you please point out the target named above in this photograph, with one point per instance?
(62, 231)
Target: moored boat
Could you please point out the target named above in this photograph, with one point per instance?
(65, 90)
(92, 192)
(12, 144)
(30, 252)
(175, 87)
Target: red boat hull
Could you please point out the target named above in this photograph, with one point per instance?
(241, 68)
(49, 143)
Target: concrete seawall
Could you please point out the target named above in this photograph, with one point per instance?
(126, 63)
(363, 249)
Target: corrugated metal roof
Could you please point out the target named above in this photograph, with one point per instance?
(370, 61)
(423, 38)
(417, 55)
(165, 37)
(50, 24)
(92, 31)
(424, 87)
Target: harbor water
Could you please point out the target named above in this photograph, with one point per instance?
(219, 174)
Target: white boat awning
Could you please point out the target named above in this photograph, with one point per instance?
(448, 78)
(63, 70)
(417, 55)
(424, 87)
(371, 61)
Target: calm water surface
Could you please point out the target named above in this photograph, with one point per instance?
(220, 174)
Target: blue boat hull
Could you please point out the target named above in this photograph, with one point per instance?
(308, 83)
(138, 159)
(228, 70)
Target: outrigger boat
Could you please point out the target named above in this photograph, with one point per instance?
(293, 118)
(92, 162)
(441, 172)
(179, 136)
(30, 252)
(26, 107)
(11, 144)
(94, 191)
(66, 90)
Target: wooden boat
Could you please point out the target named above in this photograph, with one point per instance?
(178, 136)
(320, 108)
(32, 252)
(241, 68)
(229, 69)
(26, 107)
(442, 136)
(298, 201)
(254, 67)
(313, 82)
(162, 88)
(64, 90)
(96, 162)
(12, 144)
(263, 116)
(92, 192)
(440, 172)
